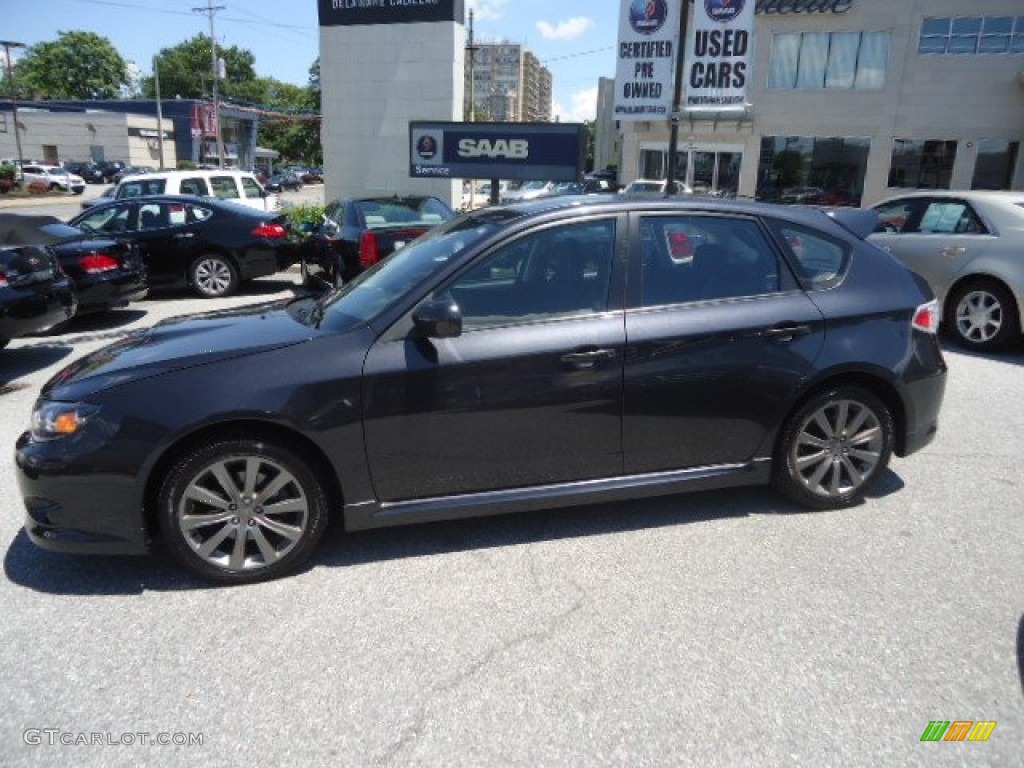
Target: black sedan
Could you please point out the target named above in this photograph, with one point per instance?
(210, 245)
(35, 294)
(359, 232)
(279, 182)
(559, 352)
(91, 173)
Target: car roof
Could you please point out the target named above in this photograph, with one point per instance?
(212, 202)
(612, 203)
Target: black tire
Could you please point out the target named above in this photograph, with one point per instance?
(983, 316)
(213, 276)
(272, 543)
(833, 448)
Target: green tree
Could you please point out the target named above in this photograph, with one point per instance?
(293, 127)
(186, 71)
(78, 65)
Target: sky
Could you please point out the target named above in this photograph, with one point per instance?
(575, 39)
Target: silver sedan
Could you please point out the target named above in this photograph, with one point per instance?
(969, 246)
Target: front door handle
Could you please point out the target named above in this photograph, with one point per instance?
(589, 358)
(184, 235)
(786, 332)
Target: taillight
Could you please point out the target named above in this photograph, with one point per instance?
(3, 280)
(98, 262)
(369, 250)
(270, 231)
(926, 317)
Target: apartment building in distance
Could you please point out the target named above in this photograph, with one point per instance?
(507, 83)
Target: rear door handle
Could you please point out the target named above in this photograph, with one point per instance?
(184, 235)
(588, 359)
(953, 251)
(786, 332)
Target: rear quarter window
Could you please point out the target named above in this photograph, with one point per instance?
(819, 261)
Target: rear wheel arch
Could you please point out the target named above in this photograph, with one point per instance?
(244, 429)
(876, 385)
(982, 281)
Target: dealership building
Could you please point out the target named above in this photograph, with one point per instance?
(848, 101)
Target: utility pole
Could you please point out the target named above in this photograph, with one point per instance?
(210, 10)
(159, 110)
(677, 98)
(472, 49)
(8, 44)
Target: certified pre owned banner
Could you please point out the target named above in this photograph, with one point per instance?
(548, 151)
(717, 61)
(648, 32)
(344, 13)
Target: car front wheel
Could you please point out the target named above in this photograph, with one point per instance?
(213, 276)
(834, 448)
(984, 316)
(242, 510)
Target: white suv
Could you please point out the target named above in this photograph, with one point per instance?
(237, 186)
(53, 176)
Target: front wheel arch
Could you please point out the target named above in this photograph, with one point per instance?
(248, 429)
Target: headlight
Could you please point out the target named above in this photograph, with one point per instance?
(53, 420)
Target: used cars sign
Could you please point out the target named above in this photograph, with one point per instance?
(550, 151)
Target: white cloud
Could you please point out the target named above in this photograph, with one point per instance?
(564, 30)
(584, 107)
(486, 10)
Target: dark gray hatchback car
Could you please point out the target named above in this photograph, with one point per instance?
(560, 352)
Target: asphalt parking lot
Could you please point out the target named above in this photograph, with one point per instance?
(724, 628)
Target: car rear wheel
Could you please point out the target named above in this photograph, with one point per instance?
(834, 448)
(984, 316)
(242, 510)
(213, 276)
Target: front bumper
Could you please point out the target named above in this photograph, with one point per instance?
(70, 509)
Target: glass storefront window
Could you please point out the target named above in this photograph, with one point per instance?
(922, 164)
(972, 35)
(995, 164)
(652, 164)
(812, 171)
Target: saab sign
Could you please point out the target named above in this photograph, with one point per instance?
(525, 151)
(343, 13)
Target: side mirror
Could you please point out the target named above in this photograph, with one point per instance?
(438, 319)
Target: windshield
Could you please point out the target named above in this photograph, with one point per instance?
(380, 286)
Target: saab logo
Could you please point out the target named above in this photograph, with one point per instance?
(958, 730)
(426, 147)
(648, 16)
(513, 149)
(723, 10)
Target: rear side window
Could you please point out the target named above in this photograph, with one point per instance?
(193, 186)
(704, 258)
(820, 261)
(950, 217)
(224, 187)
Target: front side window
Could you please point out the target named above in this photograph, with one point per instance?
(558, 272)
(829, 60)
(112, 219)
(898, 216)
(922, 164)
(703, 258)
(950, 217)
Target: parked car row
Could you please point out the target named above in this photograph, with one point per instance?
(113, 253)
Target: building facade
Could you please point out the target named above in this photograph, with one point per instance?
(853, 100)
(507, 83)
(127, 130)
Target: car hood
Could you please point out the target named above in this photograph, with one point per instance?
(178, 343)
